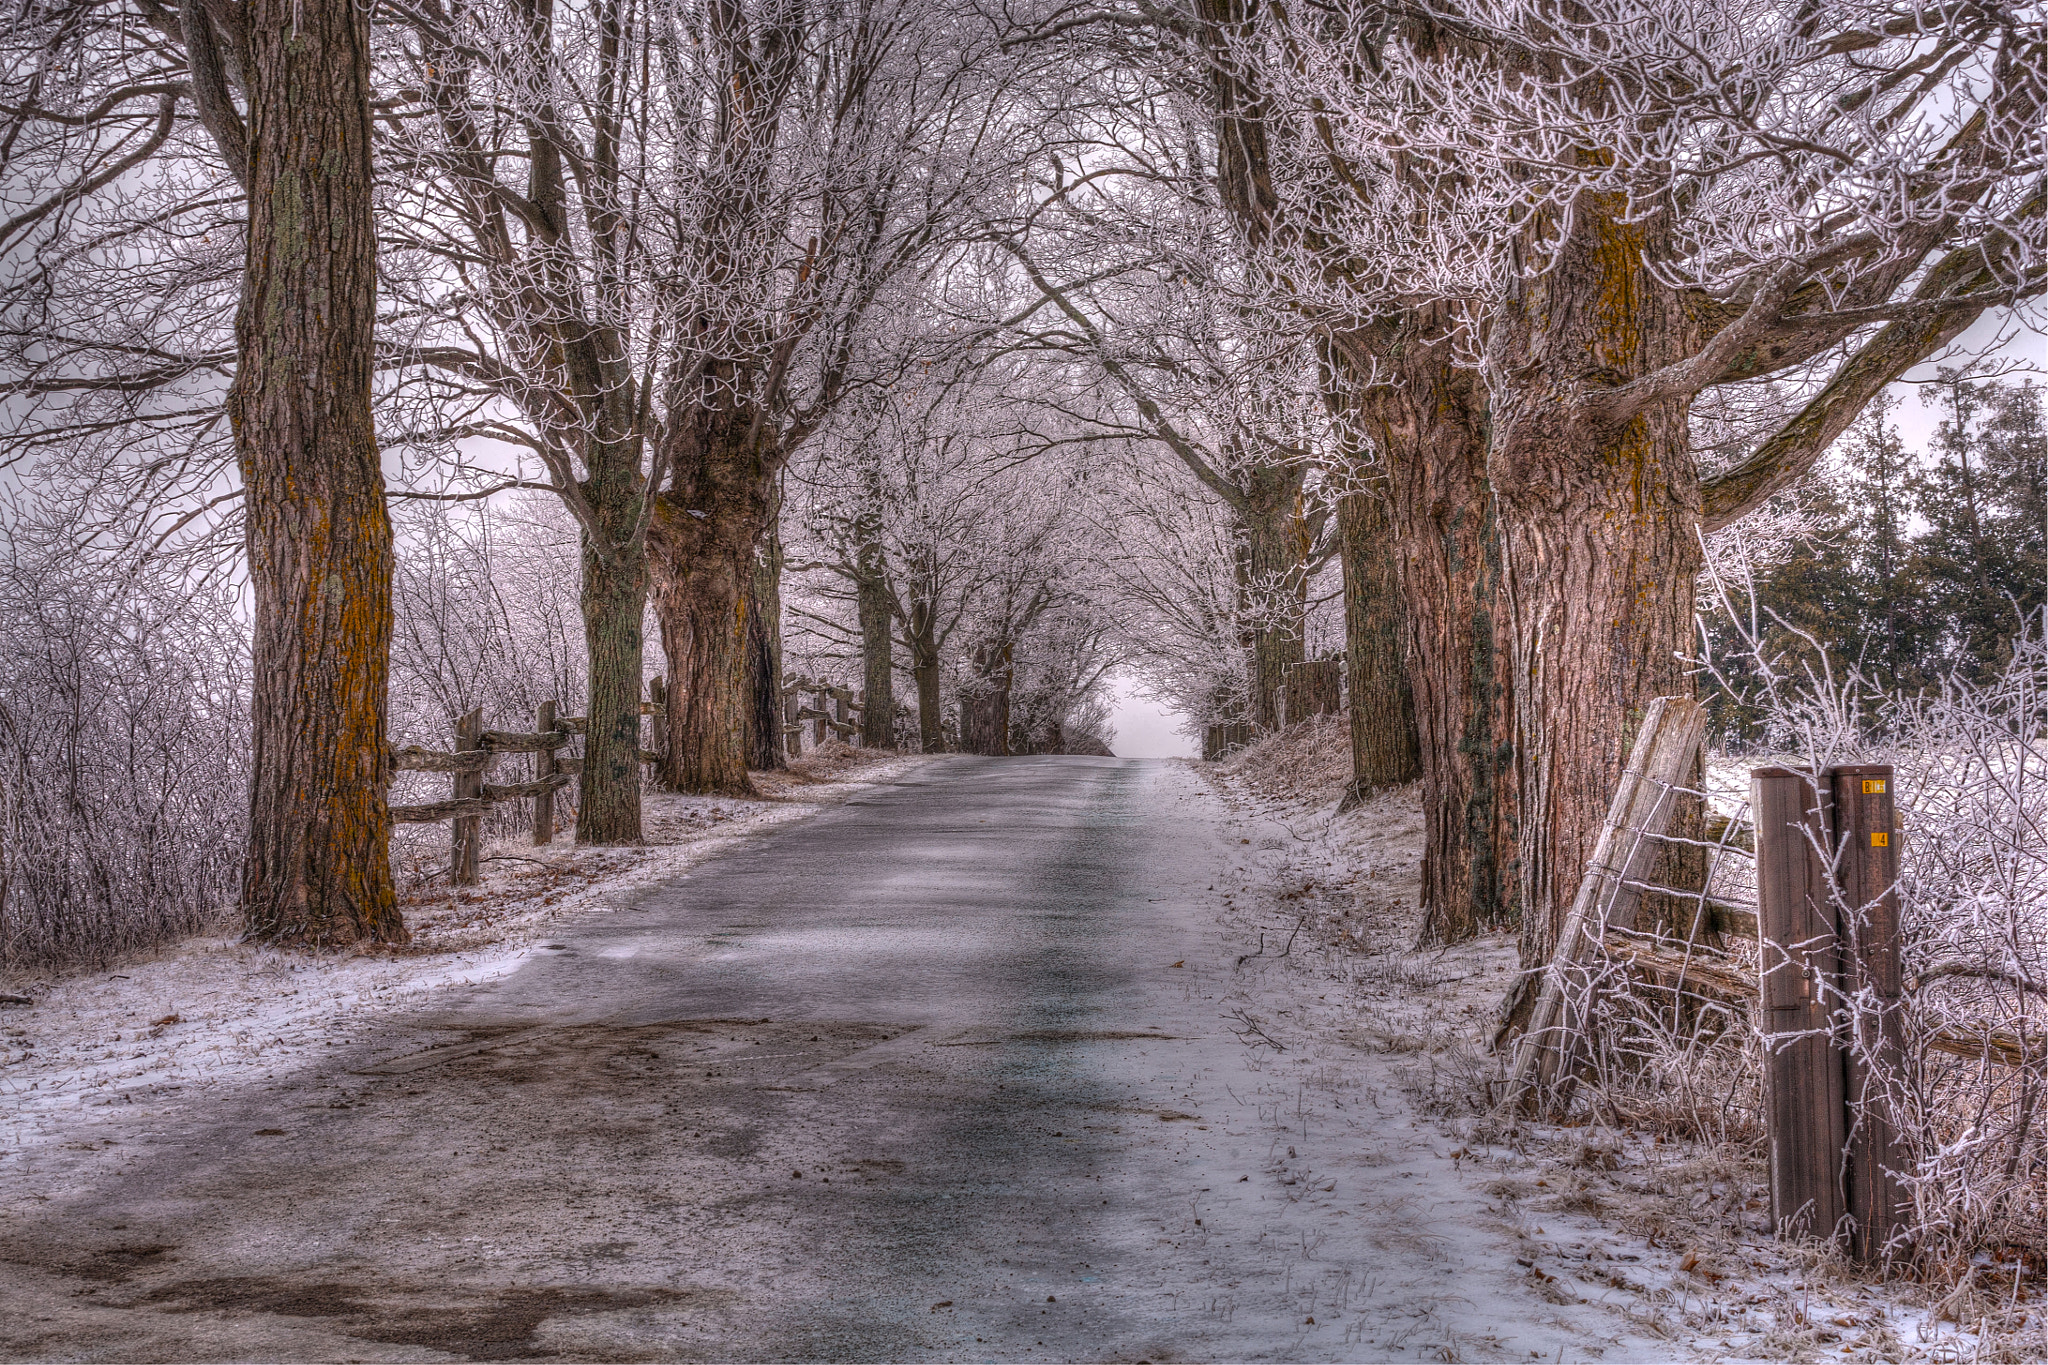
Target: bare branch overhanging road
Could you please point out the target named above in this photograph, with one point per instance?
(923, 1077)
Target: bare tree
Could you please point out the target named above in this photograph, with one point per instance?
(319, 540)
(1596, 213)
(719, 201)
(953, 510)
(316, 536)
(1179, 359)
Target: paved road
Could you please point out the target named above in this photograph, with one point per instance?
(915, 1078)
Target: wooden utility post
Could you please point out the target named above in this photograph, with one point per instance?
(1800, 960)
(1830, 939)
(544, 767)
(1868, 875)
(469, 737)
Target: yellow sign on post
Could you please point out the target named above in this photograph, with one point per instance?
(1880, 840)
(1873, 786)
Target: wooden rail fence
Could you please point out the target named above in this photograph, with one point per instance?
(473, 752)
(835, 711)
(474, 749)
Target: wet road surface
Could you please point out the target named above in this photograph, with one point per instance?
(916, 1078)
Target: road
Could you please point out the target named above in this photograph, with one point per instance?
(940, 1073)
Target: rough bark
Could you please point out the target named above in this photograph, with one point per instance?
(1385, 746)
(613, 600)
(764, 657)
(1272, 583)
(1430, 426)
(718, 506)
(703, 608)
(317, 869)
(985, 704)
(877, 658)
(921, 632)
(1598, 523)
(874, 604)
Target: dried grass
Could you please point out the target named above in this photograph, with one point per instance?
(1309, 762)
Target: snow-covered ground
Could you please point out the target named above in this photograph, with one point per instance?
(1669, 1240)
(215, 1013)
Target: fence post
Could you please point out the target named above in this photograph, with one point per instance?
(1866, 836)
(544, 766)
(657, 693)
(792, 726)
(469, 737)
(1799, 952)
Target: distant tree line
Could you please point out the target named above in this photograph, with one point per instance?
(1910, 567)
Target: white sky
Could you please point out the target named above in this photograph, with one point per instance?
(2024, 346)
(1145, 728)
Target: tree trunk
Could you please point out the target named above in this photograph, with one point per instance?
(702, 548)
(878, 665)
(985, 705)
(1272, 582)
(1599, 527)
(1430, 426)
(877, 651)
(764, 658)
(1385, 747)
(704, 618)
(317, 869)
(924, 668)
(614, 602)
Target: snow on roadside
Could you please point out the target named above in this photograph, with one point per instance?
(212, 1012)
(1665, 1241)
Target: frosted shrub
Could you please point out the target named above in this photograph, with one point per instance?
(123, 723)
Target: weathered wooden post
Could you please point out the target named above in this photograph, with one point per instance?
(840, 698)
(1868, 874)
(469, 782)
(818, 715)
(1800, 957)
(657, 707)
(544, 767)
(1622, 854)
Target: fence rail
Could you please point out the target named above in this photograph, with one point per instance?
(475, 749)
(834, 711)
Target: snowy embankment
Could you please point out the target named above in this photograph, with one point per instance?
(1657, 1244)
(213, 1012)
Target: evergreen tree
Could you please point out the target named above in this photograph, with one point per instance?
(2015, 445)
(1884, 627)
(1980, 498)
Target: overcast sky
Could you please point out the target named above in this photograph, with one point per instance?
(1145, 728)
